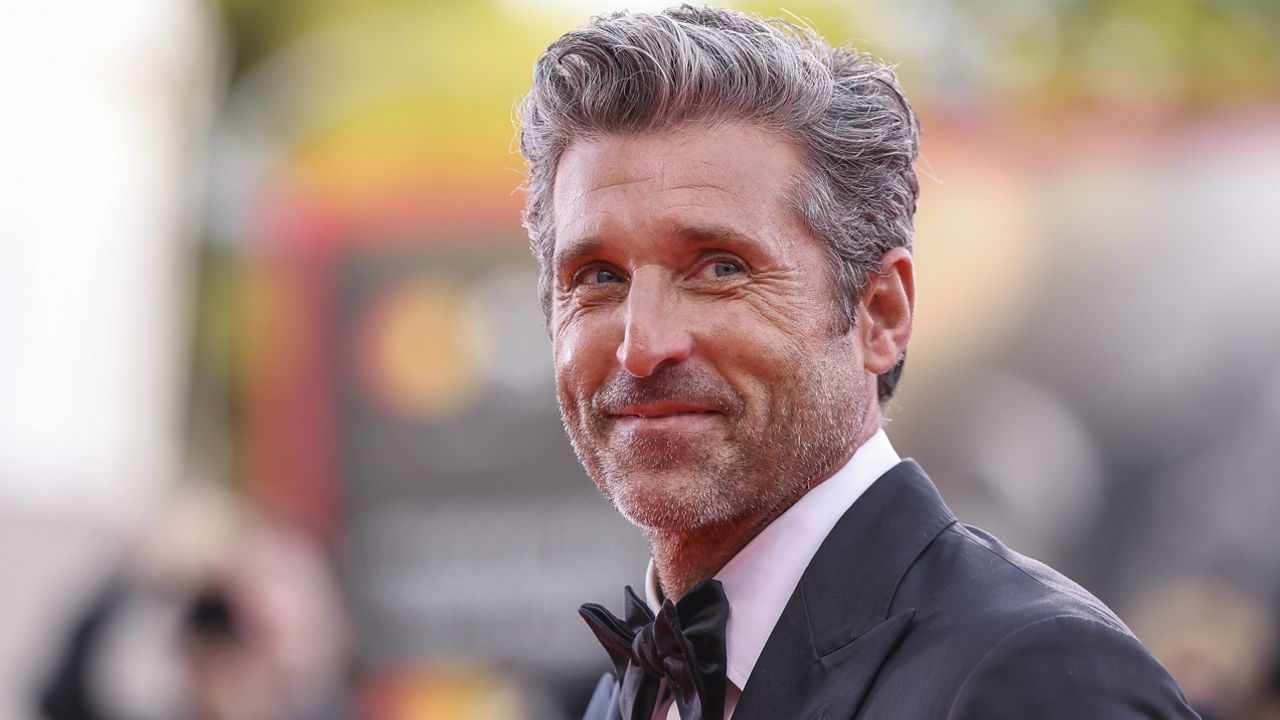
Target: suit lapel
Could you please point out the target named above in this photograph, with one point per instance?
(836, 632)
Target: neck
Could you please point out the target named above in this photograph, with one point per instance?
(683, 558)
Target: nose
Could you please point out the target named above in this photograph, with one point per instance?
(656, 332)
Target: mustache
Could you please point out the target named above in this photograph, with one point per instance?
(673, 383)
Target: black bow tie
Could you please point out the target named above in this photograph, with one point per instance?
(684, 644)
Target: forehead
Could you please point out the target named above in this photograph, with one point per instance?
(731, 175)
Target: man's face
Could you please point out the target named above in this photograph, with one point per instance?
(699, 368)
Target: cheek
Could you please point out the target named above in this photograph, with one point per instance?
(747, 353)
(763, 339)
(760, 354)
(568, 376)
(582, 359)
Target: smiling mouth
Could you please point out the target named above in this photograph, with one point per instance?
(682, 421)
(656, 416)
(657, 412)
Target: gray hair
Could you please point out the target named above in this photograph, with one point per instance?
(635, 73)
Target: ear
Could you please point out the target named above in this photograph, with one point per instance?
(886, 311)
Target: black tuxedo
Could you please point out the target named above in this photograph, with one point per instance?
(906, 614)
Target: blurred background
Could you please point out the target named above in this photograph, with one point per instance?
(277, 432)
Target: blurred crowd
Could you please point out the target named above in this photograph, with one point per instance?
(216, 613)
(235, 616)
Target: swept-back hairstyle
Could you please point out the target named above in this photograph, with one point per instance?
(635, 73)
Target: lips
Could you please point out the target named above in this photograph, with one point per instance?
(654, 411)
(665, 422)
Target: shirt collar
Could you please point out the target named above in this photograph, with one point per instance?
(760, 579)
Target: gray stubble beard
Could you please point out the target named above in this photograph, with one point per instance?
(795, 447)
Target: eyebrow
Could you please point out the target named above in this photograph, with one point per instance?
(570, 253)
(695, 234)
(713, 234)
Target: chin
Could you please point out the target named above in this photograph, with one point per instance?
(670, 500)
(668, 517)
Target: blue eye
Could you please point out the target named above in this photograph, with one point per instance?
(600, 276)
(724, 268)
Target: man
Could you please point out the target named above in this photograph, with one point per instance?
(722, 210)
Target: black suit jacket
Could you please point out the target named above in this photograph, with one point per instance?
(906, 614)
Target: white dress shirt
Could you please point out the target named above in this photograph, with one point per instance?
(760, 579)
